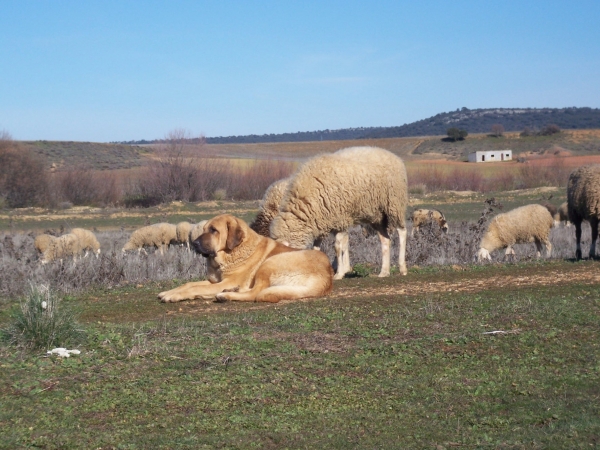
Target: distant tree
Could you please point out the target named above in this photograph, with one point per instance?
(497, 130)
(549, 130)
(456, 134)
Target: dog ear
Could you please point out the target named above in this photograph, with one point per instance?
(235, 234)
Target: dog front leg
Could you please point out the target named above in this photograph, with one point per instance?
(200, 289)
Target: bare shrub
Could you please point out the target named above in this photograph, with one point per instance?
(23, 179)
(252, 182)
(81, 185)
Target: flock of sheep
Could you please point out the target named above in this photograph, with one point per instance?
(359, 185)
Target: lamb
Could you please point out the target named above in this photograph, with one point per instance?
(583, 199)
(529, 223)
(329, 193)
(159, 235)
(182, 230)
(421, 217)
(42, 242)
(61, 247)
(87, 241)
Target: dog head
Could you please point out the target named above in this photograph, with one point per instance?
(222, 233)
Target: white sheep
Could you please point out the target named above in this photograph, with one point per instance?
(159, 235)
(269, 206)
(330, 193)
(268, 210)
(529, 223)
(422, 217)
(583, 199)
(182, 230)
(87, 241)
(62, 247)
(42, 242)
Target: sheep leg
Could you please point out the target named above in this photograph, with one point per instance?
(509, 254)
(342, 255)
(594, 225)
(538, 245)
(402, 251)
(385, 254)
(578, 238)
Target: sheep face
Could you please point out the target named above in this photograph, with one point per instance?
(289, 230)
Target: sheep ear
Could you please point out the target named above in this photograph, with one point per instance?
(235, 234)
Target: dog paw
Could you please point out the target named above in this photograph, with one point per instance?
(221, 297)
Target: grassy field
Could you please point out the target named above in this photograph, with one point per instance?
(400, 363)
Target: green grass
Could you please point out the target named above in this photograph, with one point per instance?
(363, 371)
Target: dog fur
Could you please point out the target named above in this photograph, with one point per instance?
(244, 266)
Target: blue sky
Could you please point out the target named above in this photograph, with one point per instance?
(121, 70)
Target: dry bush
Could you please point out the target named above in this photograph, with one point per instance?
(23, 179)
(253, 181)
(81, 185)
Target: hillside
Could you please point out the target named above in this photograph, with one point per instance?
(89, 154)
(472, 120)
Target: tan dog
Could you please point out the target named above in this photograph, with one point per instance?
(244, 266)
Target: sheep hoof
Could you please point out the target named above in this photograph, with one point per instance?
(339, 276)
(384, 274)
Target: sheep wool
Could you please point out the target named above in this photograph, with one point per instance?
(269, 206)
(87, 241)
(583, 199)
(332, 192)
(62, 247)
(159, 235)
(182, 229)
(421, 217)
(529, 223)
(42, 242)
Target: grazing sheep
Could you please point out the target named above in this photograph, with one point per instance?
(529, 223)
(329, 193)
(562, 214)
(42, 242)
(61, 247)
(182, 229)
(269, 208)
(421, 217)
(583, 198)
(87, 241)
(196, 230)
(159, 235)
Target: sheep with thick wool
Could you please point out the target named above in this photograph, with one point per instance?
(87, 241)
(422, 217)
(159, 235)
(62, 247)
(42, 242)
(182, 229)
(529, 223)
(583, 199)
(332, 192)
(269, 208)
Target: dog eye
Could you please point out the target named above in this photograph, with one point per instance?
(212, 230)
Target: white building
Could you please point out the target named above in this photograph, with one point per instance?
(490, 156)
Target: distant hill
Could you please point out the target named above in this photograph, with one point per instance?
(472, 120)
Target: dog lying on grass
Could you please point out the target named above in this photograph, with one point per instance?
(244, 266)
